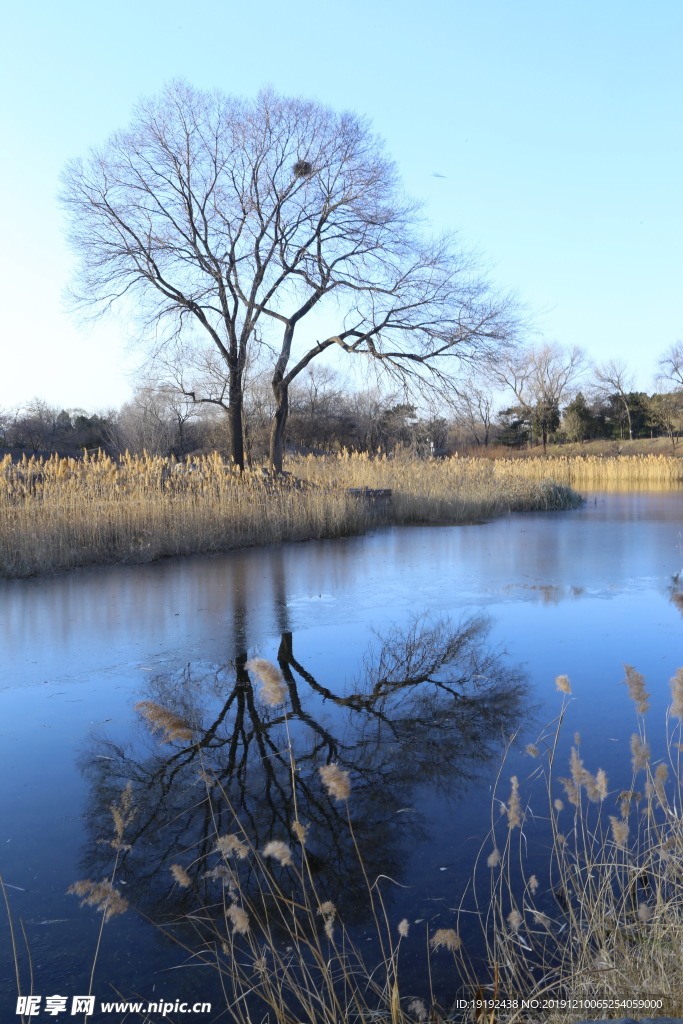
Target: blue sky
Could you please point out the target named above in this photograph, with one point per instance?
(557, 127)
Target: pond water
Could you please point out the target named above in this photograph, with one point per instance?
(409, 655)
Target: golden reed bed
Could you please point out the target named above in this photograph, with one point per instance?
(585, 473)
(607, 473)
(59, 513)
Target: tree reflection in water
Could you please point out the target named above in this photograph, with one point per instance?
(431, 706)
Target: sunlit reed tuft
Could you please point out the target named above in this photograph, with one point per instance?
(620, 831)
(328, 912)
(101, 895)
(514, 919)
(181, 876)
(273, 691)
(445, 938)
(279, 851)
(563, 685)
(636, 689)
(418, 1010)
(661, 775)
(514, 807)
(229, 845)
(171, 726)
(336, 781)
(645, 912)
(300, 832)
(676, 685)
(625, 799)
(239, 919)
(640, 752)
(123, 814)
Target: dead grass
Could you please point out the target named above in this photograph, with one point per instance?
(589, 469)
(602, 920)
(59, 513)
(455, 490)
(459, 484)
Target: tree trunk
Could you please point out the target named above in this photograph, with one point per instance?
(277, 429)
(235, 419)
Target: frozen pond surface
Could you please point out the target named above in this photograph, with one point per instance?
(578, 593)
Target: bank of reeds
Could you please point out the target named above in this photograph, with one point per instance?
(60, 513)
(441, 490)
(441, 478)
(597, 931)
(609, 473)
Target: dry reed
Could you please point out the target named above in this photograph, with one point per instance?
(604, 473)
(453, 490)
(59, 513)
(513, 477)
(603, 919)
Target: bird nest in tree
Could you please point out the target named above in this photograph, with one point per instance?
(302, 169)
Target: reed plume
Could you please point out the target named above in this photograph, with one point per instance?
(171, 726)
(636, 689)
(239, 919)
(123, 814)
(640, 752)
(445, 938)
(336, 781)
(101, 895)
(279, 850)
(514, 807)
(676, 685)
(229, 845)
(563, 685)
(273, 691)
(181, 876)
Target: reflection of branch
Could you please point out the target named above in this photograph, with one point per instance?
(438, 700)
(287, 662)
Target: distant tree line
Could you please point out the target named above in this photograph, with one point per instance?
(324, 418)
(557, 397)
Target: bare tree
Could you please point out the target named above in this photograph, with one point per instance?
(671, 365)
(614, 378)
(35, 426)
(473, 406)
(541, 379)
(239, 218)
(667, 404)
(155, 421)
(667, 412)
